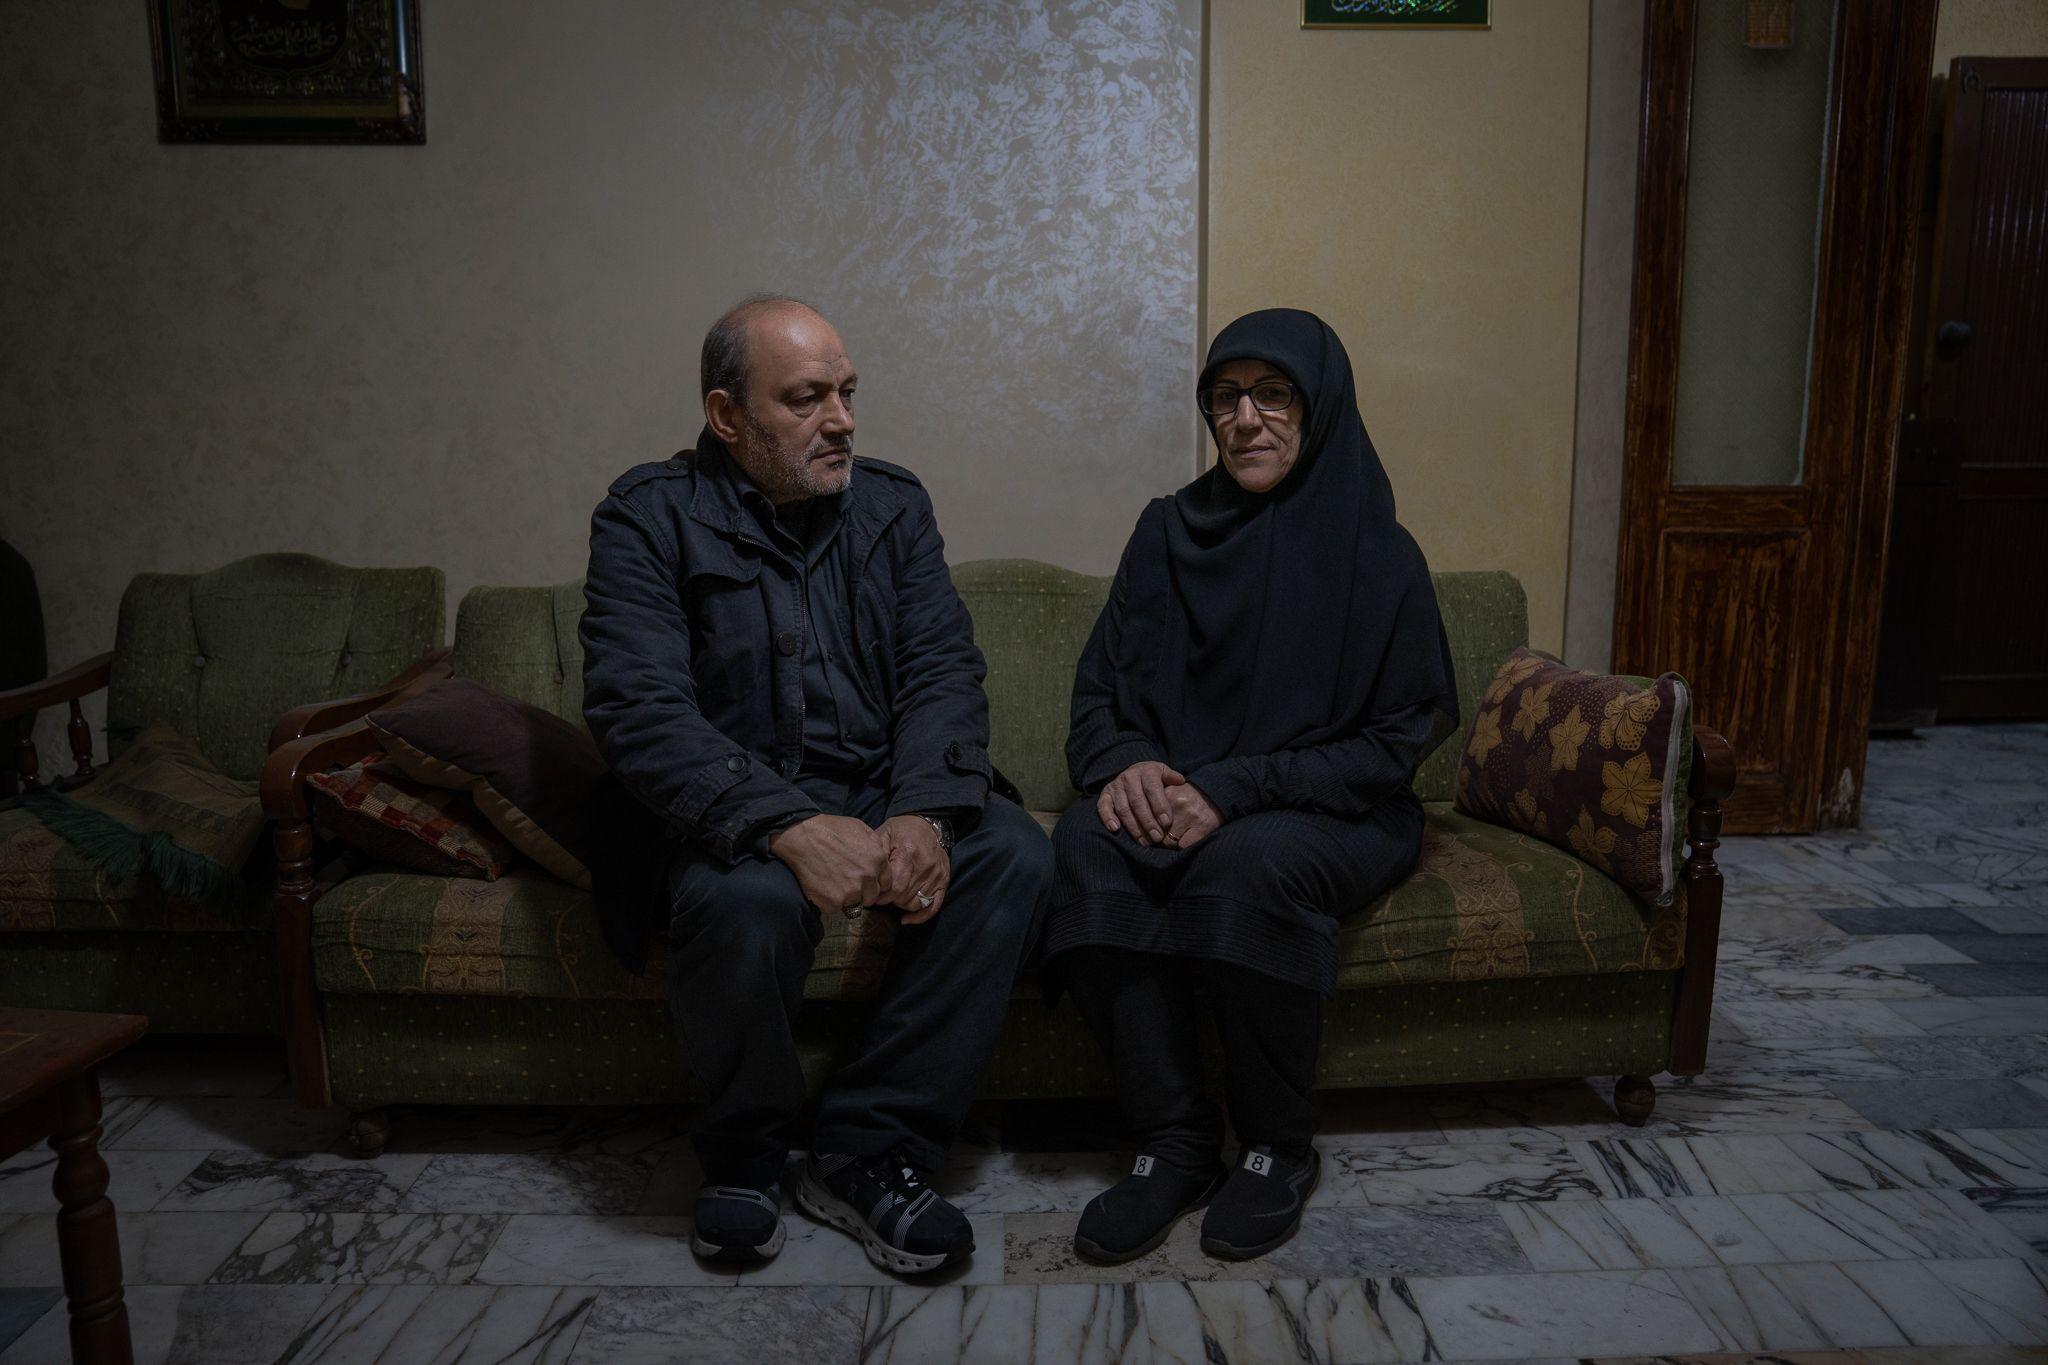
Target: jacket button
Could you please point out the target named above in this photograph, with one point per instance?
(953, 752)
(735, 764)
(346, 657)
(785, 642)
(199, 661)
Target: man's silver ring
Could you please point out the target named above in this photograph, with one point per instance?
(854, 911)
(924, 901)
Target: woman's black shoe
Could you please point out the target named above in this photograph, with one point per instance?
(1260, 1205)
(1134, 1215)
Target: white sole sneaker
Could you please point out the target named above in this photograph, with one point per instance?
(714, 1251)
(820, 1203)
(740, 1253)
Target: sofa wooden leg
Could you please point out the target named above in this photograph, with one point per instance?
(368, 1131)
(1634, 1098)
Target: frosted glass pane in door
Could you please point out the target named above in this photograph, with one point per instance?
(1753, 201)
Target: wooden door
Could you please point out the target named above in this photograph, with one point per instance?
(1984, 414)
(1763, 588)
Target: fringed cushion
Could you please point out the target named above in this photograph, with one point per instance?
(163, 811)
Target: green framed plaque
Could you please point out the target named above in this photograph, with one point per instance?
(1394, 14)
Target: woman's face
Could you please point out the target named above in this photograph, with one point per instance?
(1257, 447)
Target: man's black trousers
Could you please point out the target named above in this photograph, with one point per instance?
(741, 940)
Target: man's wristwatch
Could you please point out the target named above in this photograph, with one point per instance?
(942, 828)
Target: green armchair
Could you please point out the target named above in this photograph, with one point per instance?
(222, 658)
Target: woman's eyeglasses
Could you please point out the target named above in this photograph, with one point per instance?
(1268, 395)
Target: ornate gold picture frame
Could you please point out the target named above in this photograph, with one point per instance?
(288, 70)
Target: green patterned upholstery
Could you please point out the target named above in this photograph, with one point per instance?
(527, 933)
(220, 656)
(47, 886)
(1031, 621)
(184, 983)
(430, 1049)
(1484, 902)
(523, 642)
(1486, 614)
(1501, 957)
(446, 1049)
(398, 933)
(1444, 1033)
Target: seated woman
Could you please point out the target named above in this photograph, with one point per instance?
(1268, 673)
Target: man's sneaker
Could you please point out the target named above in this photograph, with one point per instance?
(1135, 1215)
(1260, 1206)
(737, 1223)
(901, 1222)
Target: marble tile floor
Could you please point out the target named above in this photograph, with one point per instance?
(1861, 1175)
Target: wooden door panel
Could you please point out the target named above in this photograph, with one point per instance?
(1766, 598)
(1998, 643)
(1988, 396)
(1996, 276)
(1745, 587)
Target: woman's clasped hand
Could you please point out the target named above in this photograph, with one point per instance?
(1157, 806)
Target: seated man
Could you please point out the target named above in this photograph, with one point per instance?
(776, 663)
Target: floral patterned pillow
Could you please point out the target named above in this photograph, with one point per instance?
(1587, 761)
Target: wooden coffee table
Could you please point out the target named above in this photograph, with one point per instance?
(50, 1088)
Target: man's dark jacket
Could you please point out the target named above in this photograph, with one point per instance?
(693, 641)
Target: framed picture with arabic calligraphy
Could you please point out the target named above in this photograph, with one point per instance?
(287, 70)
(1394, 14)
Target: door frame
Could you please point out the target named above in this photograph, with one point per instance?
(1819, 544)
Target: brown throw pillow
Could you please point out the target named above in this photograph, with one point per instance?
(535, 776)
(375, 807)
(1587, 761)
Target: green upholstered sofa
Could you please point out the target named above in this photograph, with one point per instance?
(219, 657)
(1501, 957)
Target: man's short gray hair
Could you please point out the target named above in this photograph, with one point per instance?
(724, 363)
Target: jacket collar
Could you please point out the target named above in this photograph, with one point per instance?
(871, 500)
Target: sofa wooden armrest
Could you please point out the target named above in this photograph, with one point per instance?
(314, 717)
(1713, 780)
(73, 685)
(289, 811)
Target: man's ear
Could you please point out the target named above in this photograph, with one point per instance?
(722, 415)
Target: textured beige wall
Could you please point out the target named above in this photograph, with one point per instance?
(1990, 28)
(442, 354)
(1421, 191)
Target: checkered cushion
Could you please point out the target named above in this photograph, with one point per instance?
(374, 807)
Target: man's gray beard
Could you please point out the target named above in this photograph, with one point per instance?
(789, 470)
